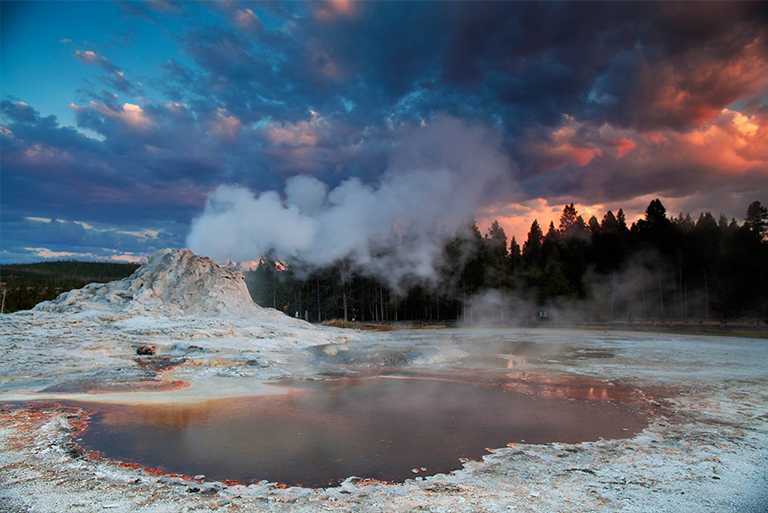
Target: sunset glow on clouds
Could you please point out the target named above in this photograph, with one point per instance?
(126, 115)
(129, 115)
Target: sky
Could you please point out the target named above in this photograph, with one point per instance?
(119, 121)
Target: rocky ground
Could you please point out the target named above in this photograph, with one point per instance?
(704, 449)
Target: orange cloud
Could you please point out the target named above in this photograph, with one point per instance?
(564, 146)
(575, 155)
(622, 145)
(693, 90)
(334, 9)
(732, 142)
(342, 6)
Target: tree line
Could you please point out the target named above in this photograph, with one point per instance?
(660, 267)
(22, 286)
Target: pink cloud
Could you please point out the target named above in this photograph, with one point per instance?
(731, 143)
(718, 165)
(334, 9)
(299, 134)
(90, 57)
(87, 56)
(246, 19)
(129, 114)
(40, 154)
(565, 145)
(696, 87)
(622, 145)
(225, 126)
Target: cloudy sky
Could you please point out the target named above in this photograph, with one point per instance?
(119, 119)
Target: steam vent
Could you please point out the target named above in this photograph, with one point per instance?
(178, 392)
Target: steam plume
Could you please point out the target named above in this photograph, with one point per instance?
(438, 177)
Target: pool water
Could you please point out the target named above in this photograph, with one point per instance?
(320, 433)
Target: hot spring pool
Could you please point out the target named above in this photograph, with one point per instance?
(387, 428)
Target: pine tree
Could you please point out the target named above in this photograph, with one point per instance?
(532, 246)
(515, 256)
(757, 219)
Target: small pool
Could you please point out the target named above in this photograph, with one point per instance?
(387, 428)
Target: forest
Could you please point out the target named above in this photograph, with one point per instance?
(659, 268)
(25, 285)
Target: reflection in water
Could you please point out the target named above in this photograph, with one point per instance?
(322, 432)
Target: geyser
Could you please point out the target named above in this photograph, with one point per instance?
(388, 428)
(438, 177)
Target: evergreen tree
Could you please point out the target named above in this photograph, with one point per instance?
(757, 219)
(515, 256)
(610, 224)
(572, 225)
(497, 272)
(593, 225)
(622, 220)
(567, 219)
(532, 245)
(551, 246)
(496, 240)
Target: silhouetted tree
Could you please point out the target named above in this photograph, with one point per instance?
(757, 219)
(497, 273)
(515, 256)
(532, 245)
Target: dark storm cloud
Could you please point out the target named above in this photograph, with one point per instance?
(19, 112)
(637, 65)
(594, 102)
(356, 72)
(368, 58)
(607, 61)
(526, 66)
(723, 164)
(49, 170)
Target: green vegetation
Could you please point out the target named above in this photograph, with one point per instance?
(25, 285)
